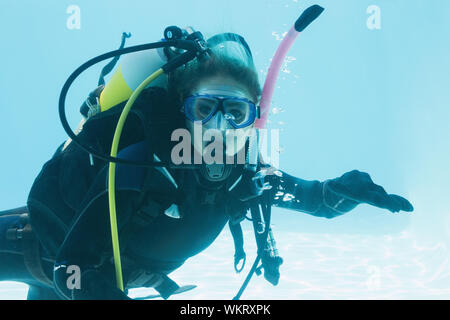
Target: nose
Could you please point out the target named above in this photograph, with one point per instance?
(220, 121)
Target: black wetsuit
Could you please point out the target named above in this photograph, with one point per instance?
(162, 222)
(153, 241)
(164, 217)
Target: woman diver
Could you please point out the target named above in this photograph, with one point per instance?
(164, 215)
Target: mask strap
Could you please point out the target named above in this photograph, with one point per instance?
(220, 38)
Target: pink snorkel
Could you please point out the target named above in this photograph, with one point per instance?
(263, 225)
(308, 16)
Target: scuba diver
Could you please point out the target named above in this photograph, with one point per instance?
(164, 214)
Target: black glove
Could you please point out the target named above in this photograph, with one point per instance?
(354, 187)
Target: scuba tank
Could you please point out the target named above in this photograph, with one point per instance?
(133, 69)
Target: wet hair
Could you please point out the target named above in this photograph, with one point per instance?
(228, 59)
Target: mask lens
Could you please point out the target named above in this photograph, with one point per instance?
(239, 111)
(201, 108)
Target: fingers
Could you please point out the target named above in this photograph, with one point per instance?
(405, 205)
(379, 198)
(359, 187)
(360, 192)
(391, 202)
(382, 200)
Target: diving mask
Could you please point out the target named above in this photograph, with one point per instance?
(222, 112)
(238, 112)
(226, 108)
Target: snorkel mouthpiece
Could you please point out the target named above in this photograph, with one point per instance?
(308, 16)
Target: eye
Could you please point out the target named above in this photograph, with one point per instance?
(238, 110)
(237, 114)
(203, 107)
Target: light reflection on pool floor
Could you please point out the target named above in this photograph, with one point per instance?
(316, 266)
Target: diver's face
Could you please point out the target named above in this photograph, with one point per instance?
(224, 105)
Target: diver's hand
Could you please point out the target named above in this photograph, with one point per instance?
(357, 187)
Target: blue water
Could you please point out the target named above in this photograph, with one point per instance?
(349, 97)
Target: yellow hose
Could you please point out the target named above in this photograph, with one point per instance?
(112, 175)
